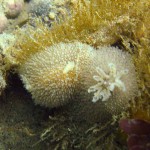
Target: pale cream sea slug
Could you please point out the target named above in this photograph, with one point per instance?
(65, 72)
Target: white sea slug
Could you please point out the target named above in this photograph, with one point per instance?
(68, 72)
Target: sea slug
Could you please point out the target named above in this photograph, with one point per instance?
(65, 71)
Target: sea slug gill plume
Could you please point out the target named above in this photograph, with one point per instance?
(114, 75)
(107, 83)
